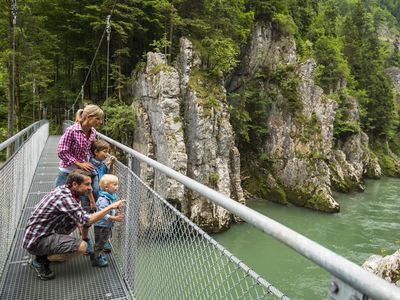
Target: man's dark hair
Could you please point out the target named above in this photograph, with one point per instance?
(77, 176)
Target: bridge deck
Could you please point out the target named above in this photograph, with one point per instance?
(75, 279)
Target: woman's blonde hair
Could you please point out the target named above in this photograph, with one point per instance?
(90, 110)
(78, 115)
(106, 179)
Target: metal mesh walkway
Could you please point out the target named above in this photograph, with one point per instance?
(75, 279)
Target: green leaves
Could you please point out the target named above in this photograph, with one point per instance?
(120, 121)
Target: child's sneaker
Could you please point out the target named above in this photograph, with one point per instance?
(107, 247)
(89, 247)
(99, 261)
(42, 269)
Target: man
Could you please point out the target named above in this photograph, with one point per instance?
(55, 217)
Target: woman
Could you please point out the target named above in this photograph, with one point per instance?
(74, 146)
(74, 151)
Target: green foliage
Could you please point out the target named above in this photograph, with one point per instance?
(389, 165)
(362, 50)
(332, 66)
(344, 125)
(286, 80)
(162, 45)
(221, 55)
(249, 109)
(120, 121)
(268, 9)
(303, 13)
(214, 177)
(251, 104)
(56, 42)
(256, 185)
(221, 27)
(208, 90)
(285, 24)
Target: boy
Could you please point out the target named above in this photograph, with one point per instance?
(103, 164)
(102, 228)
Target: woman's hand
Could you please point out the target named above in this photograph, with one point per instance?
(87, 166)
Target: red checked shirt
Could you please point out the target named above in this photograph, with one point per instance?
(74, 146)
(54, 211)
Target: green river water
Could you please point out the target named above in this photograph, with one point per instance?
(368, 223)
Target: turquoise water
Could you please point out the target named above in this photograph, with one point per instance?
(369, 223)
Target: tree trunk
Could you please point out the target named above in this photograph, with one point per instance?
(171, 32)
(10, 66)
(17, 105)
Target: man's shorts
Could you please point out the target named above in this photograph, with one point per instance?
(56, 244)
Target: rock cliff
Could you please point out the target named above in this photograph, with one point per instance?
(305, 163)
(387, 267)
(183, 122)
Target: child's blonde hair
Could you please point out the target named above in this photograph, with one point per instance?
(106, 179)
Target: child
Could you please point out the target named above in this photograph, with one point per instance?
(102, 228)
(102, 166)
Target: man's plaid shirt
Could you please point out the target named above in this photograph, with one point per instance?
(74, 146)
(56, 210)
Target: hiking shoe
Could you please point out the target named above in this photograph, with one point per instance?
(99, 261)
(42, 269)
(107, 246)
(89, 247)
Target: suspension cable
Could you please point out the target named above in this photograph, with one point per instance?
(81, 93)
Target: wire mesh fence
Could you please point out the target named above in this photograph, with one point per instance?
(163, 255)
(16, 175)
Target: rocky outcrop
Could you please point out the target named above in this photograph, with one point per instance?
(183, 122)
(387, 267)
(304, 163)
(352, 159)
(299, 140)
(394, 74)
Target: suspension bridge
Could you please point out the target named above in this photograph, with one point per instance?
(158, 253)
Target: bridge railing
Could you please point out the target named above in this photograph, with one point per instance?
(16, 173)
(161, 254)
(157, 244)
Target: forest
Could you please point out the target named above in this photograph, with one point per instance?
(48, 47)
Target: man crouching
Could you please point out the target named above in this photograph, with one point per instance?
(55, 217)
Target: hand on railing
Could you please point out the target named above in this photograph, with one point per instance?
(118, 204)
(117, 218)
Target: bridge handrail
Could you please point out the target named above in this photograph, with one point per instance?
(338, 266)
(30, 130)
(16, 175)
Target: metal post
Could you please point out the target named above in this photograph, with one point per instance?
(10, 125)
(82, 93)
(33, 99)
(108, 30)
(339, 290)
